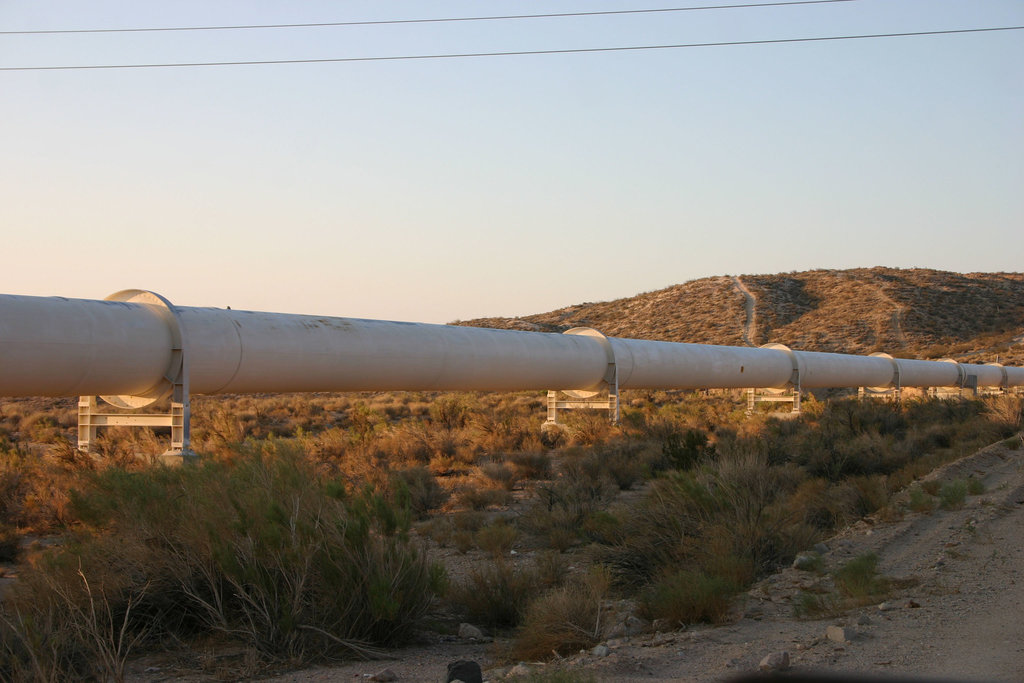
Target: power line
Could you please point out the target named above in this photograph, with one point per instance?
(393, 58)
(423, 21)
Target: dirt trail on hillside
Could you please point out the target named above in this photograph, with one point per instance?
(749, 306)
(958, 616)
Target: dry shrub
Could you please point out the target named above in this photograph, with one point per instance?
(479, 498)
(686, 449)
(34, 488)
(729, 521)
(565, 619)
(450, 412)
(1006, 411)
(497, 538)
(416, 488)
(495, 594)
(499, 475)
(561, 508)
(266, 551)
(531, 464)
(552, 568)
(588, 427)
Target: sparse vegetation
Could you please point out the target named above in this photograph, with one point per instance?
(292, 537)
(912, 313)
(953, 494)
(860, 581)
(811, 605)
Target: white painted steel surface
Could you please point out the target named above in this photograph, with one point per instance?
(68, 347)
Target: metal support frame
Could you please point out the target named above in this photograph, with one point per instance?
(174, 385)
(606, 398)
(792, 392)
(1004, 383)
(893, 392)
(957, 390)
(755, 396)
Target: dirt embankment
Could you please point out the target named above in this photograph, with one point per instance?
(957, 611)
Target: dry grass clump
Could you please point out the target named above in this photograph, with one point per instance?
(859, 580)
(563, 620)
(497, 538)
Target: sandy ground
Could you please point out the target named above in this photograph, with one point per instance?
(958, 615)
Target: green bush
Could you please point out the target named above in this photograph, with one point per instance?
(686, 597)
(684, 451)
(953, 494)
(416, 488)
(921, 501)
(859, 579)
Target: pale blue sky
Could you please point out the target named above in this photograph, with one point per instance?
(457, 188)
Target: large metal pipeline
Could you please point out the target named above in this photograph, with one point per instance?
(129, 346)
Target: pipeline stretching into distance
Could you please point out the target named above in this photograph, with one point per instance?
(129, 344)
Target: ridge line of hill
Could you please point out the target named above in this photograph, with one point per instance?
(913, 313)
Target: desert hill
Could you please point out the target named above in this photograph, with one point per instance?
(906, 312)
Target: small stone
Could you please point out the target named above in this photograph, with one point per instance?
(776, 661)
(886, 606)
(520, 669)
(820, 548)
(863, 620)
(465, 671)
(385, 676)
(470, 632)
(913, 604)
(839, 634)
(600, 651)
(807, 561)
(635, 625)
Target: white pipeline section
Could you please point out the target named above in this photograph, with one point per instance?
(136, 347)
(67, 347)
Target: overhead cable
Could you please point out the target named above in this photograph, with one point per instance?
(629, 48)
(381, 22)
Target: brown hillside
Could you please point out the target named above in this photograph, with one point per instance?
(909, 313)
